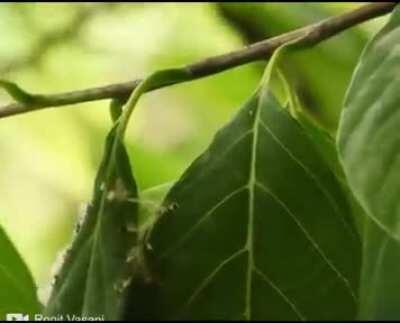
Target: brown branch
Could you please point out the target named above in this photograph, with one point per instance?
(311, 35)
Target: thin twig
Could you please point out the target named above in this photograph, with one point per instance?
(311, 35)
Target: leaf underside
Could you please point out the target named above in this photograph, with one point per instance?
(369, 144)
(256, 228)
(97, 269)
(17, 288)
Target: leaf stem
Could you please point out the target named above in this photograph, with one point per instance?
(158, 78)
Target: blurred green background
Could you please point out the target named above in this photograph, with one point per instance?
(49, 158)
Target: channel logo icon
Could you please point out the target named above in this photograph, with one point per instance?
(17, 317)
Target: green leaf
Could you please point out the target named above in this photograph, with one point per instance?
(17, 288)
(380, 285)
(367, 139)
(98, 267)
(256, 223)
(368, 143)
(105, 257)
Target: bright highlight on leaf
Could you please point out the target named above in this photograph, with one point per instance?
(369, 149)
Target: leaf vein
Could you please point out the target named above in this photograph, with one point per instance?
(205, 282)
(280, 292)
(208, 213)
(310, 238)
(310, 174)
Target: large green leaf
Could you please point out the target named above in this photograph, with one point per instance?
(256, 228)
(17, 289)
(97, 269)
(369, 148)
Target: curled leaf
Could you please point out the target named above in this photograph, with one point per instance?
(17, 93)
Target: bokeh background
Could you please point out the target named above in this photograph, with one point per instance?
(48, 158)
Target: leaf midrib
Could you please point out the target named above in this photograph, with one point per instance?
(250, 224)
(251, 186)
